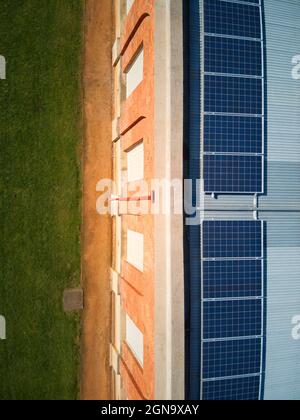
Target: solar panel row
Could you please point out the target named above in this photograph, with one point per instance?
(232, 324)
(233, 88)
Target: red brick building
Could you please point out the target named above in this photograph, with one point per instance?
(140, 351)
(133, 259)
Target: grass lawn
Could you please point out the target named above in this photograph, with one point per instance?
(40, 196)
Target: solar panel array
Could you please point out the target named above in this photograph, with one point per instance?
(233, 102)
(232, 310)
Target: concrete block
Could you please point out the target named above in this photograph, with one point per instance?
(73, 300)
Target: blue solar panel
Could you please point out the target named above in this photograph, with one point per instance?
(233, 174)
(232, 134)
(231, 358)
(233, 105)
(234, 95)
(234, 56)
(246, 1)
(232, 318)
(239, 389)
(232, 309)
(223, 17)
(232, 239)
(232, 279)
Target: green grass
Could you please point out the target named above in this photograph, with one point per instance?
(40, 196)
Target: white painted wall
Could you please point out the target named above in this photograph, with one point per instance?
(135, 73)
(135, 163)
(135, 340)
(135, 249)
(129, 4)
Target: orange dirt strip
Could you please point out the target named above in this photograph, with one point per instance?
(96, 232)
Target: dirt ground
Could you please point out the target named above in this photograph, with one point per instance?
(96, 233)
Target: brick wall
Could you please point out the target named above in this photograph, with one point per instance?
(132, 351)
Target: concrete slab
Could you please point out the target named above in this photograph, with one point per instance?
(73, 300)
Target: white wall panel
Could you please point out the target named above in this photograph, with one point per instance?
(129, 4)
(135, 340)
(135, 249)
(135, 73)
(135, 163)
